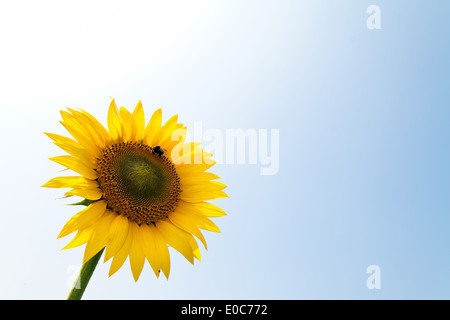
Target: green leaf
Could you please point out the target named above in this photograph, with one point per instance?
(84, 202)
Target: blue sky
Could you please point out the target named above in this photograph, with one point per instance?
(363, 119)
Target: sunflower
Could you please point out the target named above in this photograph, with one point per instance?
(144, 188)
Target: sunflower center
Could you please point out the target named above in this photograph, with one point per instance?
(141, 177)
(138, 182)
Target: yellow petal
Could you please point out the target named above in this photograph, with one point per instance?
(75, 165)
(114, 126)
(69, 182)
(166, 130)
(148, 241)
(80, 238)
(99, 238)
(137, 257)
(176, 238)
(194, 246)
(204, 223)
(195, 196)
(193, 213)
(57, 137)
(79, 134)
(183, 222)
(118, 233)
(138, 121)
(201, 177)
(175, 140)
(194, 163)
(125, 120)
(85, 218)
(90, 193)
(209, 210)
(162, 249)
(91, 130)
(153, 128)
(98, 127)
(203, 186)
(122, 254)
(198, 186)
(73, 148)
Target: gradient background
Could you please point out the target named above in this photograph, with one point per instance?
(364, 140)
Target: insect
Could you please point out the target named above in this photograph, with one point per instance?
(158, 150)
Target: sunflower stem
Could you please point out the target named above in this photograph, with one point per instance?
(81, 282)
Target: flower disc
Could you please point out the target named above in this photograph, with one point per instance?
(138, 182)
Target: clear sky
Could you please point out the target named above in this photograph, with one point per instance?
(363, 118)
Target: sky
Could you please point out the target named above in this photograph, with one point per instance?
(347, 193)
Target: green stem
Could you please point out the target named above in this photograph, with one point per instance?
(84, 276)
